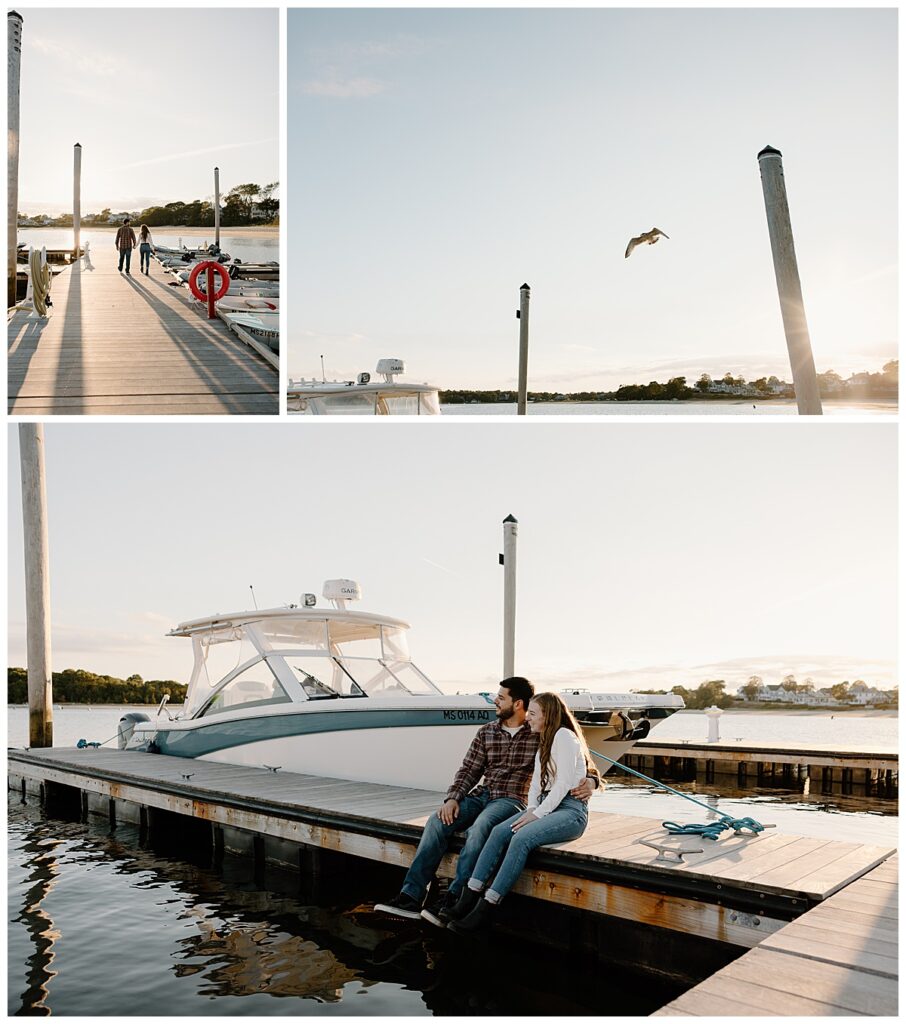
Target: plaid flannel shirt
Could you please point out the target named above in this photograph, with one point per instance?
(125, 238)
(505, 761)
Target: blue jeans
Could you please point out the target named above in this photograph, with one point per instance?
(144, 252)
(478, 813)
(567, 822)
(125, 257)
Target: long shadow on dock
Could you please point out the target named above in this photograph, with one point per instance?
(189, 335)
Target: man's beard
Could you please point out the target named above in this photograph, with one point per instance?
(502, 715)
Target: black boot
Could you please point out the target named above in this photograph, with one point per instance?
(463, 906)
(481, 916)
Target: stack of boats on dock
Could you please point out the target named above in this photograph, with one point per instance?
(250, 306)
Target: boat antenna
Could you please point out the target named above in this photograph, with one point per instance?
(323, 376)
(253, 596)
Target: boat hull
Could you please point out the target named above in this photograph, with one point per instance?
(419, 748)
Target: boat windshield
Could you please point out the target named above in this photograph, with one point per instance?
(351, 404)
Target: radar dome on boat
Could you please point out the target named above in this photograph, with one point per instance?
(341, 591)
(389, 367)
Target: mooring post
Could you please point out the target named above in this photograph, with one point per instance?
(522, 317)
(217, 207)
(508, 561)
(789, 287)
(37, 585)
(14, 63)
(77, 200)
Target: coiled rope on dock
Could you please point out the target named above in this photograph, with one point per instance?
(710, 830)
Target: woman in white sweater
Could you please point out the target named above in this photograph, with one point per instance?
(551, 814)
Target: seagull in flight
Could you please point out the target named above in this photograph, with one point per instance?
(645, 238)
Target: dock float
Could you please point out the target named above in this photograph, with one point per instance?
(839, 959)
(130, 345)
(856, 765)
(737, 891)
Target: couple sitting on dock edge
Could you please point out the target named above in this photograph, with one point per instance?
(125, 242)
(538, 778)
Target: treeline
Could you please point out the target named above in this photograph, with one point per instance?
(243, 205)
(76, 686)
(831, 384)
(704, 696)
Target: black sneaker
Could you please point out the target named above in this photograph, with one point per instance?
(402, 906)
(464, 905)
(438, 911)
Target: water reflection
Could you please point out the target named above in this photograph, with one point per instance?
(213, 941)
(40, 881)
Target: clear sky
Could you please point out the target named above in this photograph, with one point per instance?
(648, 556)
(440, 158)
(157, 97)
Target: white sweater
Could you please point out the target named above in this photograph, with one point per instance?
(566, 770)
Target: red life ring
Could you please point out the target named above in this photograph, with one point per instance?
(220, 269)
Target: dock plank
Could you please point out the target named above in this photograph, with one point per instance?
(827, 962)
(119, 345)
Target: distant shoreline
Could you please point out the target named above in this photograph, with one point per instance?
(252, 230)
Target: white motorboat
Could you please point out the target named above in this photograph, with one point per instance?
(363, 396)
(334, 692)
(260, 325)
(248, 304)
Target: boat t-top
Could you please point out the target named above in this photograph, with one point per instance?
(364, 396)
(333, 691)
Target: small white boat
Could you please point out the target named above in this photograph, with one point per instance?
(247, 304)
(263, 325)
(334, 692)
(364, 397)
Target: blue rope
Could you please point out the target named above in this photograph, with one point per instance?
(712, 830)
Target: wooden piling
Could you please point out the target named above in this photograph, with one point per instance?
(510, 530)
(217, 207)
(37, 585)
(76, 200)
(523, 317)
(789, 287)
(14, 65)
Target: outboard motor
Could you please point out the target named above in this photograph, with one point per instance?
(126, 727)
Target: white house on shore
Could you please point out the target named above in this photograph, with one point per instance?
(859, 693)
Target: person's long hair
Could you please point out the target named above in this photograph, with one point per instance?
(558, 716)
(144, 232)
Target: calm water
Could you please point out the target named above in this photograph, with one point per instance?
(777, 407)
(100, 924)
(216, 940)
(255, 248)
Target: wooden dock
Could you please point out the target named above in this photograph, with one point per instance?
(839, 959)
(847, 768)
(736, 891)
(130, 345)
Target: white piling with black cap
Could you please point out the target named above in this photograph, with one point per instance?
(14, 66)
(522, 315)
(37, 585)
(789, 287)
(217, 207)
(76, 199)
(508, 561)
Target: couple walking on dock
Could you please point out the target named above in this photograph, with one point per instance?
(125, 242)
(538, 778)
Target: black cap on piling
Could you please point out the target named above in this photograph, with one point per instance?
(511, 519)
(78, 145)
(14, 14)
(524, 288)
(769, 151)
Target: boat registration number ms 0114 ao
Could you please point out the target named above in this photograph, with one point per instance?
(467, 716)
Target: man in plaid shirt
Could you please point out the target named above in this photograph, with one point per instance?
(503, 752)
(125, 243)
